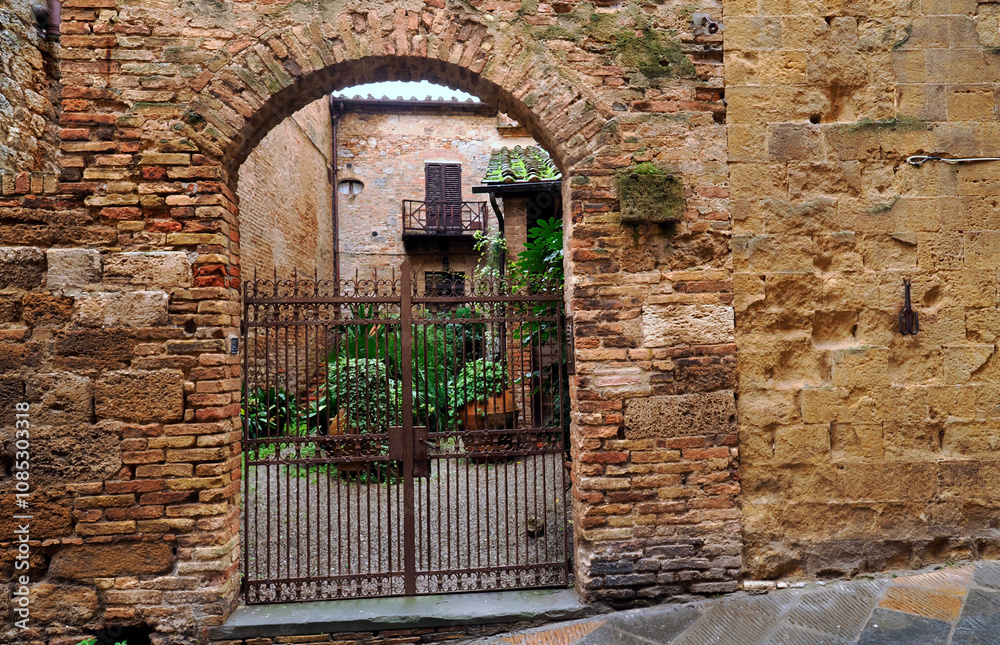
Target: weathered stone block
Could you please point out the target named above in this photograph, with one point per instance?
(132, 309)
(107, 560)
(159, 270)
(863, 366)
(801, 443)
(141, 396)
(60, 399)
(670, 325)
(680, 415)
(21, 267)
(69, 605)
(965, 363)
(72, 268)
(11, 392)
(51, 516)
(90, 453)
(95, 349)
(46, 310)
(794, 141)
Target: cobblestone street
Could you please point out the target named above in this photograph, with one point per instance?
(948, 606)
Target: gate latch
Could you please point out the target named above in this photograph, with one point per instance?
(421, 464)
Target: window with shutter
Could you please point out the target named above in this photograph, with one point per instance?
(443, 196)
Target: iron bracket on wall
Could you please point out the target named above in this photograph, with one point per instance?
(908, 321)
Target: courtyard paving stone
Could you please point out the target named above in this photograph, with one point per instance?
(946, 606)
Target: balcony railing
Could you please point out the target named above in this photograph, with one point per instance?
(443, 218)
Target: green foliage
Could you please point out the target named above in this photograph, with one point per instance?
(477, 381)
(646, 168)
(267, 412)
(541, 261)
(907, 30)
(492, 248)
(437, 355)
(367, 340)
(362, 387)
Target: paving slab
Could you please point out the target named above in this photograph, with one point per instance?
(987, 574)
(840, 611)
(980, 620)
(888, 627)
(375, 614)
(656, 624)
(791, 635)
(739, 621)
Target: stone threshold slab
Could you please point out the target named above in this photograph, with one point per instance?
(377, 614)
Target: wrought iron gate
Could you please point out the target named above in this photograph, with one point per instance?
(400, 440)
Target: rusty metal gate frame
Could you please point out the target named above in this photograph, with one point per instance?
(286, 313)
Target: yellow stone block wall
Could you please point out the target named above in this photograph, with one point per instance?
(861, 448)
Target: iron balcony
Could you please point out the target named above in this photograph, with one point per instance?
(443, 219)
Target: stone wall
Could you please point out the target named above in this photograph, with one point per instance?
(286, 198)
(29, 92)
(863, 449)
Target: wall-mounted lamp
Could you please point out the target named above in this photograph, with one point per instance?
(703, 23)
(445, 264)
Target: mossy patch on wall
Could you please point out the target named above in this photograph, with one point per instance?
(627, 37)
(649, 194)
(655, 54)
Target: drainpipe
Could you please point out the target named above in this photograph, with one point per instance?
(54, 30)
(499, 214)
(49, 18)
(336, 110)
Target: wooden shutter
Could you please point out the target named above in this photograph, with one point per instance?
(452, 182)
(434, 182)
(443, 194)
(453, 197)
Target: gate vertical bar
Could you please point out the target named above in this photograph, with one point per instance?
(409, 520)
(247, 470)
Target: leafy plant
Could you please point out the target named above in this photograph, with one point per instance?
(267, 412)
(363, 389)
(437, 351)
(541, 261)
(493, 262)
(478, 380)
(367, 340)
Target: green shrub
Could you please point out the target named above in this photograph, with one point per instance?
(477, 380)
(363, 388)
(267, 412)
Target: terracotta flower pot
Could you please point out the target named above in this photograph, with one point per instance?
(497, 412)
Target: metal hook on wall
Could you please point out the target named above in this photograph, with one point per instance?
(908, 322)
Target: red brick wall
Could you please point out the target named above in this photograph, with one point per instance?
(286, 206)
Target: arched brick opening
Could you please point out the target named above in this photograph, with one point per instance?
(274, 76)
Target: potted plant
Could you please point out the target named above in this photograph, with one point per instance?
(367, 401)
(481, 402)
